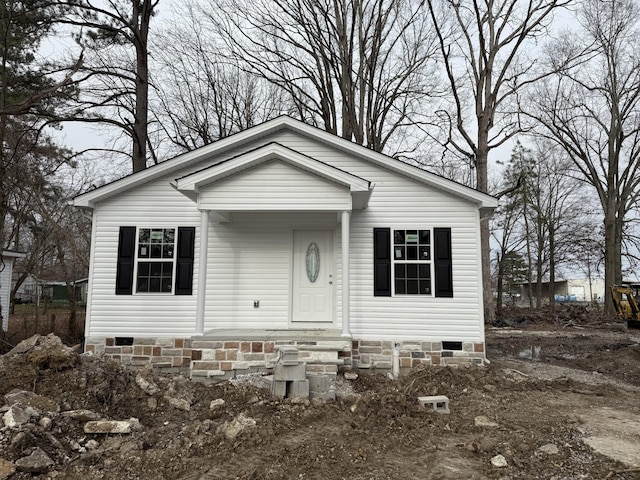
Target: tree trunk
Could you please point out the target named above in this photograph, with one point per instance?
(482, 184)
(552, 265)
(142, 13)
(499, 284)
(610, 271)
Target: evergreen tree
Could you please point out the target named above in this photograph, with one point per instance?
(30, 93)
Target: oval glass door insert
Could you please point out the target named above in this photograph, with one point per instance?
(313, 262)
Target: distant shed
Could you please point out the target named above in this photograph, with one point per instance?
(7, 259)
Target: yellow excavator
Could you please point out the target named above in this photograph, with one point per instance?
(626, 304)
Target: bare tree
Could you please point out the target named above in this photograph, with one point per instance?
(591, 111)
(483, 46)
(200, 96)
(357, 68)
(559, 208)
(545, 218)
(114, 76)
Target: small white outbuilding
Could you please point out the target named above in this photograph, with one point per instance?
(7, 259)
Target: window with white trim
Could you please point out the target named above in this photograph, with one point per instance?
(412, 262)
(155, 260)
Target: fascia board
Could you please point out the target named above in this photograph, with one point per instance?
(416, 173)
(89, 199)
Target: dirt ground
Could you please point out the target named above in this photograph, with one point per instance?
(559, 400)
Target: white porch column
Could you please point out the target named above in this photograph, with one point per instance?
(346, 295)
(202, 271)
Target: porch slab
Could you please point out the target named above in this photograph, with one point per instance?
(247, 334)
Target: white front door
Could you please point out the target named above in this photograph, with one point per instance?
(313, 276)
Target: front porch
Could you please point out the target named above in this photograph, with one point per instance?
(222, 353)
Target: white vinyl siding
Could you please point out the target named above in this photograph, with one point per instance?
(274, 186)
(250, 258)
(155, 205)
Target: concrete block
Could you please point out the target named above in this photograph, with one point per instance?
(298, 389)
(278, 388)
(319, 383)
(290, 372)
(288, 355)
(331, 395)
(439, 403)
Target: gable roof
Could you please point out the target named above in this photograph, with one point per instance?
(174, 165)
(190, 184)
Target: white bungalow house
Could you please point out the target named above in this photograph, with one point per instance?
(285, 234)
(7, 259)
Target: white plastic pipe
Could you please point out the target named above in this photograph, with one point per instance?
(395, 363)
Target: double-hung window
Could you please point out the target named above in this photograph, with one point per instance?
(412, 262)
(155, 260)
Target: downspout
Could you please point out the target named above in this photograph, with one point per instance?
(202, 271)
(346, 261)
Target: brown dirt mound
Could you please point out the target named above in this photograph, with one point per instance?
(376, 429)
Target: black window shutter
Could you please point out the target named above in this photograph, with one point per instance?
(126, 255)
(443, 265)
(382, 262)
(184, 261)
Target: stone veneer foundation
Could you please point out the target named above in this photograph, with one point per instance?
(220, 360)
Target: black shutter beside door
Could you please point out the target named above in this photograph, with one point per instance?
(126, 255)
(382, 262)
(184, 260)
(443, 264)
